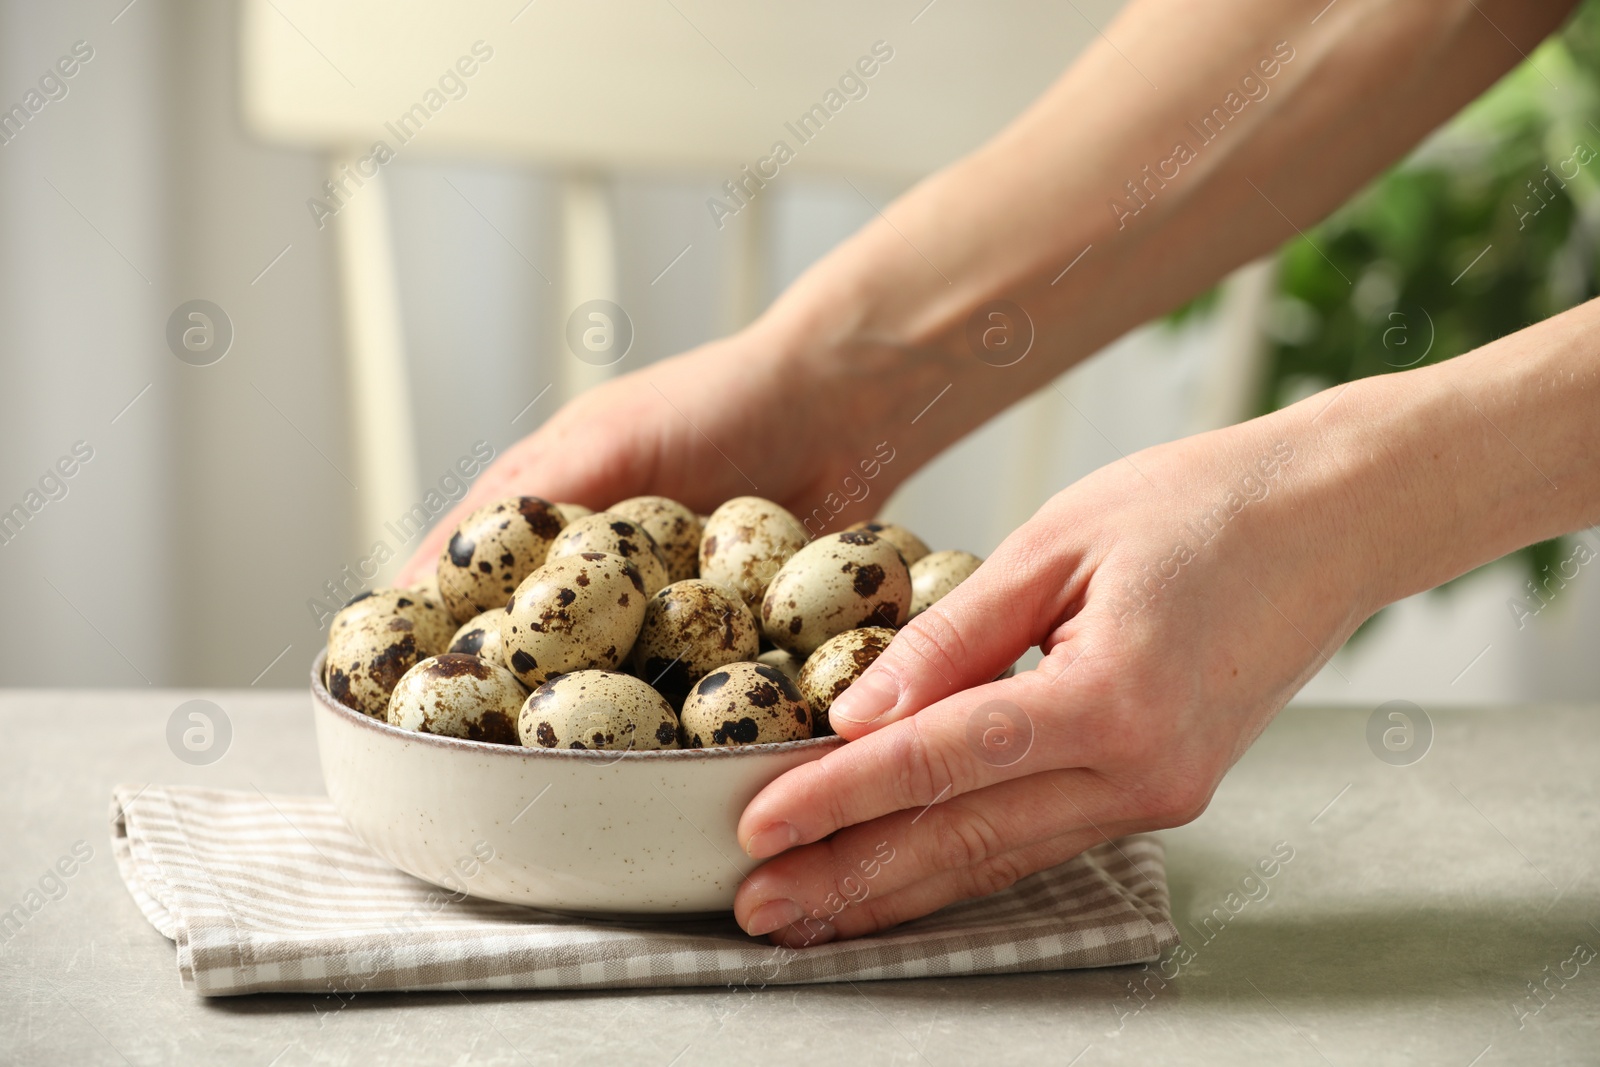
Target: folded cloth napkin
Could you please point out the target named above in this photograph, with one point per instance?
(274, 893)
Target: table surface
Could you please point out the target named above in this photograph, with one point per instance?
(1419, 904)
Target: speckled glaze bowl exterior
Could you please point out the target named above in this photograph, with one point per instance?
(593, 833)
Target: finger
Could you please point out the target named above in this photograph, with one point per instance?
(971, 635)
(875, 912)
(906, 847)
(979, 737)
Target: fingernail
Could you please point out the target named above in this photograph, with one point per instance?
(771, 840)
(773, 915)
(867, 699)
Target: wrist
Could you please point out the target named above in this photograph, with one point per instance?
(891, 283)
(1434, 471)
(886, 312)
(914, 273)
(1345, 504)
(819, 359)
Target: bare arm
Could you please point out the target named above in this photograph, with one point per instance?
(1184, 595)
(857, 347)
(1259, 122)
(1181, 597)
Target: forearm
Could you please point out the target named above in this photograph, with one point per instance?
(1328, 105)
(1428, 473)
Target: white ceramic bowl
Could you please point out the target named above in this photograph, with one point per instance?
(594, 833)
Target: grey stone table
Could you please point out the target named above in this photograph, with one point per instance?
(1421, 907)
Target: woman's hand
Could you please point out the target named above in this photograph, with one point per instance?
(1181, 597)
(757, 414)
(858, 348)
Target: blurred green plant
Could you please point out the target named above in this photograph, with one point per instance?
(1489, 226)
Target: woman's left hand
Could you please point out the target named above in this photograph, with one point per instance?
(1180, 596)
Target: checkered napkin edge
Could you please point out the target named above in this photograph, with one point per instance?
(273, 893)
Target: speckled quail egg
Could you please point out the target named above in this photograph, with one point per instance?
(571, 513)
(787, 662)
(432, 622)
(605, 532)
(480, 636)
(597, 710)
(690, 629)
(459, 695)
(841, 660)
(744, 543)
(744, 704)
(376, 639)
(936, 574)
(492, 550)
(575, 613)
(836, 583)
(912, 547)
(675, 528)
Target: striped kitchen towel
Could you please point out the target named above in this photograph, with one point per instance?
(273, 893)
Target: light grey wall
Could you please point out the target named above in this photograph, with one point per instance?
(90, 596)
(186, 546)
(261, 514)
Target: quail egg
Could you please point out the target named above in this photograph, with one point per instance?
(432, 622)
(744, 704)
(571, 513)
(480, 636)
(597, 710)
(492, 550)
(690, 629)
(841, 660)
(744, 543)
(936, 574)
(575, 613)
(836, 583)
(375, 640)
(458, 695)
(675, 528)
(787, 662)
(912, 547)
(605, 532)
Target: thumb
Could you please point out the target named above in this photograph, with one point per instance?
(965, 639)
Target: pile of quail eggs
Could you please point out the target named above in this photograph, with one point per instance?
(644, 626)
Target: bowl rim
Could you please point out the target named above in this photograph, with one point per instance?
(325, 699)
